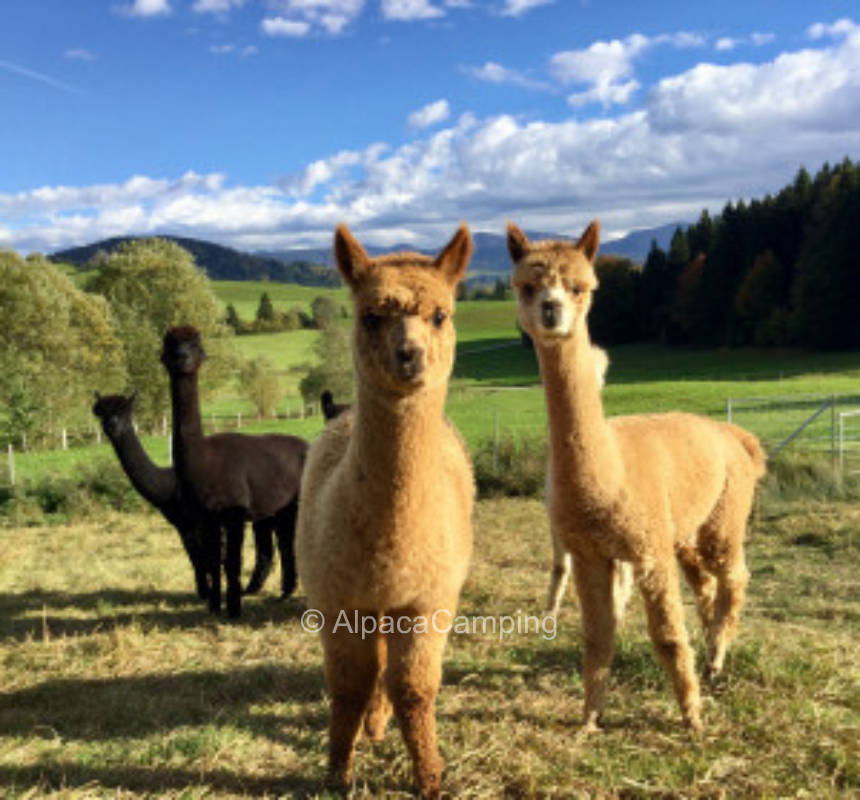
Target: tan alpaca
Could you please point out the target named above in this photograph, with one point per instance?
(649, 489)
(385, 507)
(561, 559)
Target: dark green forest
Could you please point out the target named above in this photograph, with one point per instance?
(780, 271)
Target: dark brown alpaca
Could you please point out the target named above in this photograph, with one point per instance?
(160, 487)
(230, 477)
(330, 409)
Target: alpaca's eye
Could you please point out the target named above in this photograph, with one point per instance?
(370, 321)
(578, 291)
(528, 291)
(439, 317)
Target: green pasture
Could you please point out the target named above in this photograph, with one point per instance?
(245, 295)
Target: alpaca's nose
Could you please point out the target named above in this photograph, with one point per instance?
(550, 312)
(407, 354)
(410, 360)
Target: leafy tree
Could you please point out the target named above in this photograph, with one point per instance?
(500, 290)
(324, 311)
(58, 345)
(334, 368)
(151, 285)
(259, 383)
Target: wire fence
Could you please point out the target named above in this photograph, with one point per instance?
(815, 424)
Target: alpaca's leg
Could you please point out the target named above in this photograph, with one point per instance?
(594, 577)
(212, 556)
(722, 550)
(661, 591)
(731, 592)
(194, 550)
(351, 670)
(379, 708)
(235, 529)
(264, 554)
(414, 673)
(701, 581)
(286, 528)
(558, 577)
(622, 588)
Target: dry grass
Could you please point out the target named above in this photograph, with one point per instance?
(114, 682)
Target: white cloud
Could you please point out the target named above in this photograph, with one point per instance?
(79, 54)
(216, 6)
(328, 16)
(491, 72)
(842, 27)
(606, 68)
(222, 49)
(516, 8)
(146, 8)
(704, 136)
(725, 43)
(431, 114)
(404, 10)
(279, 26)
(760, 39)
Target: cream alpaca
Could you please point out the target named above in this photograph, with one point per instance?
(561, 558)
(648, 489)
(386, 501)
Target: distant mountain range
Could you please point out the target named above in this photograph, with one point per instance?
(314, 266)
(491, 250)
(220, 263)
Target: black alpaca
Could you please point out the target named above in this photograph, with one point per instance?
(230, 477)
(160, 487)
(330, 409)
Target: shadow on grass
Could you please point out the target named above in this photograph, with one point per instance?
(105, 709)
(57, 775)
(39, 614)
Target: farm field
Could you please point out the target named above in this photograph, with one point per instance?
(116, 683)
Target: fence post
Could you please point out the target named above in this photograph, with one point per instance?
(832, 428)
(65, 439)
(238, 420)
(11, 464)
(728, 409)
(495, 442)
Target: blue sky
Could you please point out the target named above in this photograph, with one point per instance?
(263, 123)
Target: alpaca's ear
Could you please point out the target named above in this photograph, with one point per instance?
(352, 259)
(97, 396)
(454, 259)
(518, 243)
(590, 240)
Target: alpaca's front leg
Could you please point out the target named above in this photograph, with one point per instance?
(286, 529)
(211, 532)
(414, 673)
(594, 578)
(351, 668)
(192, 542)
(661, 591)
(234, 527)
(561, 559)
(264, 554)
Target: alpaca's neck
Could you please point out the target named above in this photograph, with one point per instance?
(156, 484)
(583, 448)
(187, 427)
(395, 443)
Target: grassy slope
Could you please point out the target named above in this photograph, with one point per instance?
(115, 681)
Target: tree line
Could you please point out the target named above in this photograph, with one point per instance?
(779, 271)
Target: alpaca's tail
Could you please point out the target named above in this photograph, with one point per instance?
(753, 447)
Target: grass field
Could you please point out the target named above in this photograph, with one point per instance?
(116, 683)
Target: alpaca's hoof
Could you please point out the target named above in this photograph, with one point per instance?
(288, 586)
(254, 586)
(693, 721)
